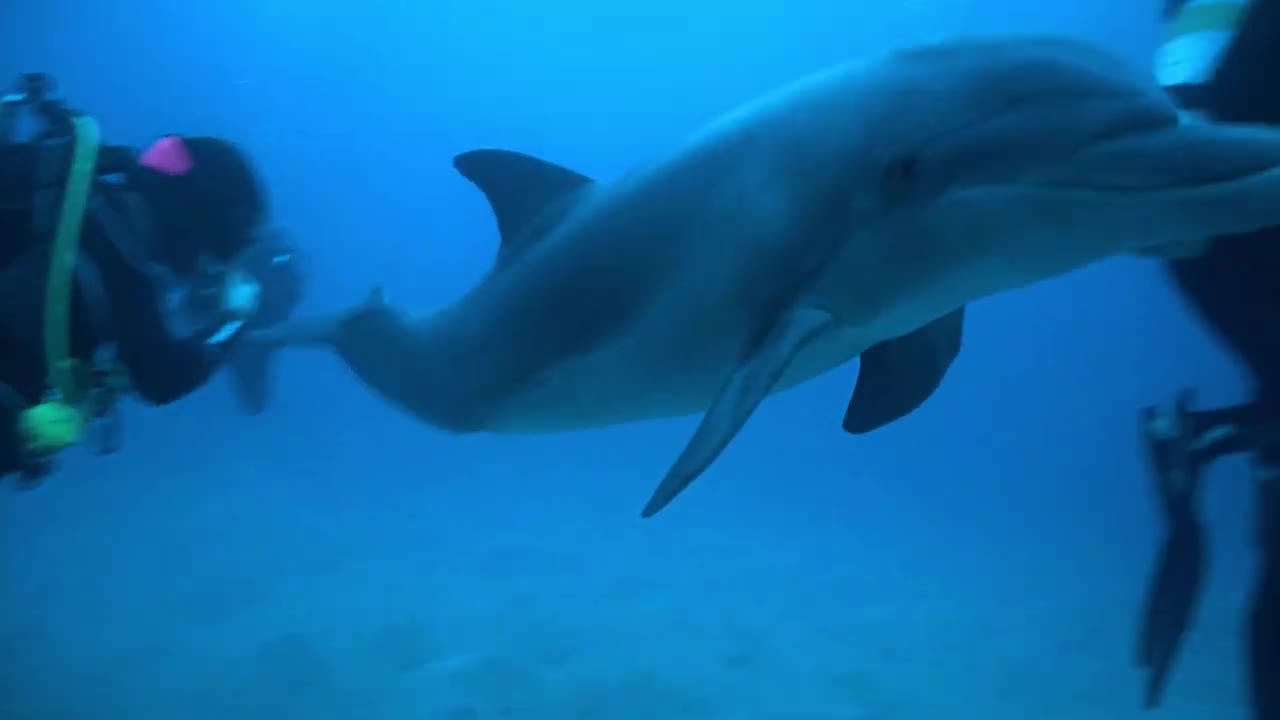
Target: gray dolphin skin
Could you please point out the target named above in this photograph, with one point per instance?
(853, 213)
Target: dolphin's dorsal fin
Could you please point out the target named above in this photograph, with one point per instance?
(528, 195)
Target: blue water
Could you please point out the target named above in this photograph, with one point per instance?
(982, 560)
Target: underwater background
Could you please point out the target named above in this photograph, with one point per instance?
(983, 559)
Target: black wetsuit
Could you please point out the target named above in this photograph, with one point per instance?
(1235, 286)
(161, 367)
(1235, 289)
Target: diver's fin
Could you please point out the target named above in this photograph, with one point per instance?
(1173, 592)
(1172, 597)
(250, 368)
(896, 376)
(746, 388)
(529, 196)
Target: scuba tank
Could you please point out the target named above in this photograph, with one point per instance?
(37, 138)
(50, 159)
(37, 141)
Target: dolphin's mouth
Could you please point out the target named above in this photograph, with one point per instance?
(1190, 155)
(1133, 185)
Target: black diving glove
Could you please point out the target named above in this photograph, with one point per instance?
(220, 305)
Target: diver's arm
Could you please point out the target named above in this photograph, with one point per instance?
(162, 368)
(17, 173)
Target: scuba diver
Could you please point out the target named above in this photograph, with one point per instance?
(1217, 61)
(94, 239)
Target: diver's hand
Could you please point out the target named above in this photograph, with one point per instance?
(33, 466)
(240, 295)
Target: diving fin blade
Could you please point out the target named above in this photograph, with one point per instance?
(746, 388)
(1172, 598)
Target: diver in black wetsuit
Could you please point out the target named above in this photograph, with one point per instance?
(149, 223)
(1219, 60)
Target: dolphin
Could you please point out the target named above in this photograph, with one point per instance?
(853, 213)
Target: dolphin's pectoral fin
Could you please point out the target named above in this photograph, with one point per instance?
(749, 384)
(528, 195)
(896, 376)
